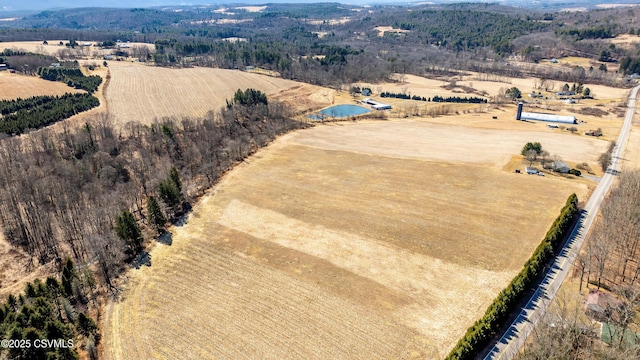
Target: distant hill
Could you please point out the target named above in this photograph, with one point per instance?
(12, 6)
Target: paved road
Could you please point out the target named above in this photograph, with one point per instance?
(513, 339)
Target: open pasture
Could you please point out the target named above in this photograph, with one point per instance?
(361, 240)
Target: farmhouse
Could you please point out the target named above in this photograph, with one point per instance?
(531, 170)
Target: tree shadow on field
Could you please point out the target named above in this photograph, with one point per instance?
(143, 259)
(166, 238)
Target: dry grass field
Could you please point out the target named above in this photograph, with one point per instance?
(422, 86)
(364, 240)
(13, 86)
(626, 40)
(53, 48)
(143, 93)
(383, 29)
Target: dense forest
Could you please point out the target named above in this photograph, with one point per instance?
(68, 193)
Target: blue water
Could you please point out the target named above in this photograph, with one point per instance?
(341, 111)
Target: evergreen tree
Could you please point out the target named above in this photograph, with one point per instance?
(171, 190)
(536, 146)
(86, 326)
(128, 230)
(514, 93)
(154, 214)
(175, 178)
(68, 274)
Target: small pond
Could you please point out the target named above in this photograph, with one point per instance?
(340, 111)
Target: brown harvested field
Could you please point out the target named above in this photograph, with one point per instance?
(358, 241)
(383, 29)
(453, 144)
(142, 93)
(13, 86)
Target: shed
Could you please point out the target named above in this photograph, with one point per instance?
(531, 170)
(366, 92)
(560, 166)
(381, 106)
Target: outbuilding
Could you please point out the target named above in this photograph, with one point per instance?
(381, 106)
(548, 117)
(531, 170)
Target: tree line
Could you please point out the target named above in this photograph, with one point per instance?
(458, 99)
(67, 189)
(589, 33)
(72, 77)
(629, 65)
(482, 331)
(40, 111)
(610, 261)
(611, 255)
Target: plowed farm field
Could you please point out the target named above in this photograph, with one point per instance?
(144, 93)
(331, 248)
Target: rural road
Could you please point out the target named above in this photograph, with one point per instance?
(515, 336)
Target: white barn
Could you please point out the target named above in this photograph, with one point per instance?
(548, 117)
